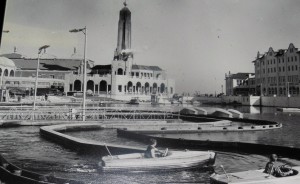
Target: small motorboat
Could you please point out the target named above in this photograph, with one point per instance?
(134, 101)
(172, 161)
(10, 173)
(255, 176)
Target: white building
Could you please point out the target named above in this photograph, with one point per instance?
(120, 80)
(278, 72)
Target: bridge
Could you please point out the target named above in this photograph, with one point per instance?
(92, 114)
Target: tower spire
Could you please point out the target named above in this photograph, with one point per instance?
(124, 34)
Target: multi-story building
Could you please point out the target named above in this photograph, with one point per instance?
(277, 72)
(120, 80)
(239, 84)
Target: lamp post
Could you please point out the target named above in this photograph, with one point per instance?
(84, 31)
(222, 88)
(37, 72)
(288, 89)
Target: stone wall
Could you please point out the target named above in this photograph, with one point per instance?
(277, 101)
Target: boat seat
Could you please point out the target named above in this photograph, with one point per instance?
(133, 156)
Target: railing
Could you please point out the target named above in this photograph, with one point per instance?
(92, 114)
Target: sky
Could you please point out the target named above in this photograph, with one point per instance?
(195, 41)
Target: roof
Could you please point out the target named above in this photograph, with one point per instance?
(280, 52)
(7, 62)
(102, 67)
(12, 55)
(241, 75)
(48, 64)
(143, 67)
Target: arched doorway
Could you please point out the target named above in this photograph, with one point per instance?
(5, 72)
(77, 85)
(147, 90)
(154, 87)
(90, 85)
(138, 87)
(12, 73)
(103, 86)
(120, 71)
(129, 86)
(162, 88)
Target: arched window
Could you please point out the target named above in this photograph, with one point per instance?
(162, 88)
(77, 85)
(129, 86)
(5, 72)
(147, 89)
(154, 87)
(138, 86)
(90, 85)
(12, 73)
(103, 85)
(120, 71)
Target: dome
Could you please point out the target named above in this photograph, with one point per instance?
(7, 62)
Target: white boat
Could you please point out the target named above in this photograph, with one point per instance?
(134, 101)
(173, 160)
(255, 176)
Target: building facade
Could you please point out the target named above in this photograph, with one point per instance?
(239, 84)
(120, 80)
(277, 72)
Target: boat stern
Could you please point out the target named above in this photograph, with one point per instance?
(212, 159)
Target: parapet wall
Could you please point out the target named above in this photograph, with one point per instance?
(81, 145)
(269, 101)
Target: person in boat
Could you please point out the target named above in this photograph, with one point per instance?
(272, 168)
(152, 151)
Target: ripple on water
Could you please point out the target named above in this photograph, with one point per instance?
(24, 147)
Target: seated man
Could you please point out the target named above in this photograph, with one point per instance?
(152, 151)
(272, 168)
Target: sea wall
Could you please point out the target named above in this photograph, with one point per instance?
(270, 101)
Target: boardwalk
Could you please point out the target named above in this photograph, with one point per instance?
(75, 114)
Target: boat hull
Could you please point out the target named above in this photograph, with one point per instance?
(176, 160)
(254, 176)
(12, 174)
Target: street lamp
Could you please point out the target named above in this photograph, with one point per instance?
(84, 31)
(288, 89)
(37, 72)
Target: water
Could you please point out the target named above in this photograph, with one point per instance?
(24, 147)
